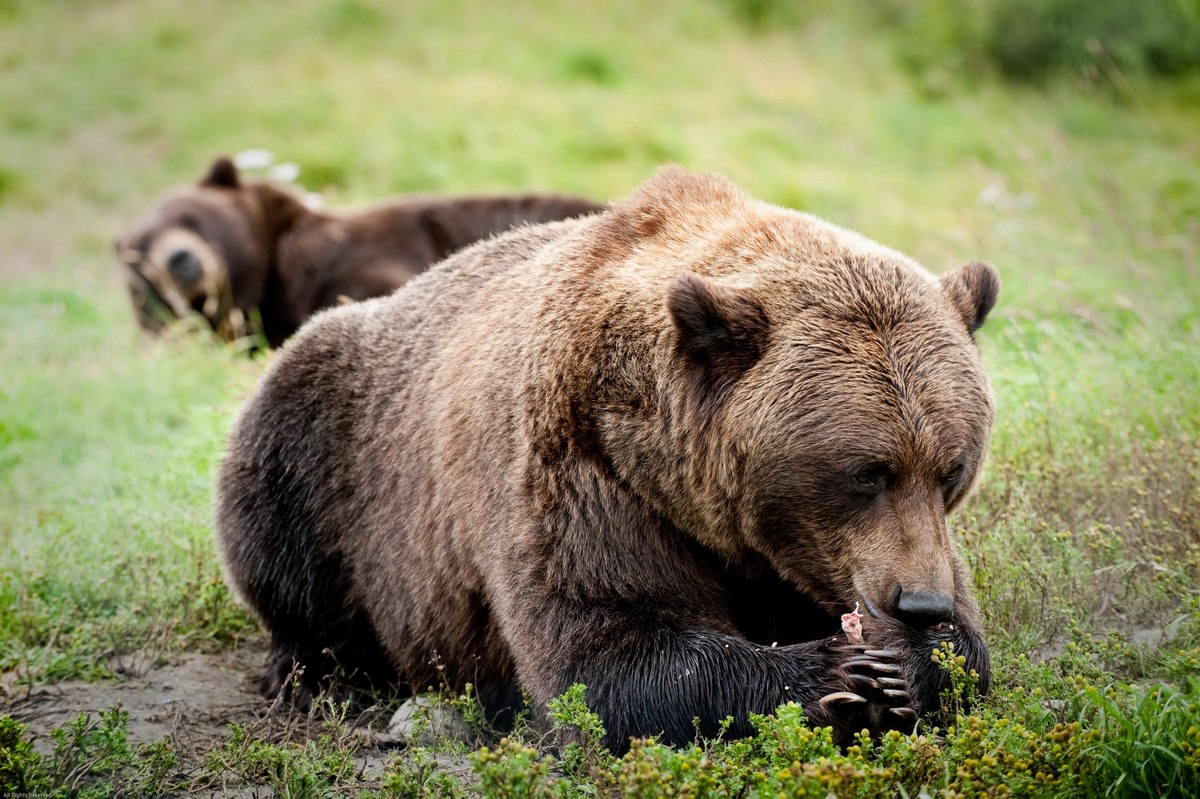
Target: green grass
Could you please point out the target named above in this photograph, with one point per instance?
(1088, 520)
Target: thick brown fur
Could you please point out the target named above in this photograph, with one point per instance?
(657, 451)
(226, 249)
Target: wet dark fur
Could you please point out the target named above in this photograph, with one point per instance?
(616, 451)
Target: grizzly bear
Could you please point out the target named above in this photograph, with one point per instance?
(225, 249)
(657, 451)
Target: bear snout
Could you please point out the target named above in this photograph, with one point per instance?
(924, 608)
(184, 267)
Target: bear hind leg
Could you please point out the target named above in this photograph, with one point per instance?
(348, 666)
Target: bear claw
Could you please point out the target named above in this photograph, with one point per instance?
(847, 647)
(859, 660)
(864, 681)
(841, 696)
(886, 668)
(877, 694)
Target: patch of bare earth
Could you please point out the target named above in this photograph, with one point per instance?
(191, 700)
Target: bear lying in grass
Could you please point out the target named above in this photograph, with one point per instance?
(225, 249)
(659, 451)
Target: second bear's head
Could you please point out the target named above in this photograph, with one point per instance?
(205, 249)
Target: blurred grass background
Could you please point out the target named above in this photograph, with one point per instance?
(1059, 141)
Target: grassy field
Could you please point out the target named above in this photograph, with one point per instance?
(1084, 536)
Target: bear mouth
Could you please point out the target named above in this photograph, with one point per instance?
(156, 305)
(872, 610)
(153, 303)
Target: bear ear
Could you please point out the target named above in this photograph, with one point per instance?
(972, 291)
(674, 197)
(673, 188)
(223, 174)
(721, 331)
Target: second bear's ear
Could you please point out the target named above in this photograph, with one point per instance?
(721, 331)
(972, 291)
(223, 174)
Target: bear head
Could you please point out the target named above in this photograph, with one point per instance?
(826, 406)
(205, 249)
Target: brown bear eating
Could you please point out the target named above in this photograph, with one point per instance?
(658, 451)
(225, 249)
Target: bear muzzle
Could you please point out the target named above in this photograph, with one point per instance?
(184, 268)
(924, 603)
(924, 608)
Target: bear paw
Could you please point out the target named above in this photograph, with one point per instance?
(876, 695)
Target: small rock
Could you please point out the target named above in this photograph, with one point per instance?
(422, 720)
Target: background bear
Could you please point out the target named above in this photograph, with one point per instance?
(656, 450)
(221, 248)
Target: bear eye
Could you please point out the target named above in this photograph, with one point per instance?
(952, 477)
(871, 479)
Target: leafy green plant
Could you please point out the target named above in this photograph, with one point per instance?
(417, 774)
(317, 767)
(1145, 740)
(21, 768)
(963, 690)
(513, 769)
(92, 757)
(583, 753)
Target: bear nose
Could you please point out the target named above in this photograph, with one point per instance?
(184, 267)
(924, 607)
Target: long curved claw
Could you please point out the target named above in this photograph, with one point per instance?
(841, 696)
(895, 693)
(863, 681)
(892, 682)
(860, 660)
(886, 668)
(882, 653)
(849, 647)
(904, 712)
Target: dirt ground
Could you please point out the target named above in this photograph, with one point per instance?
(191, 699)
